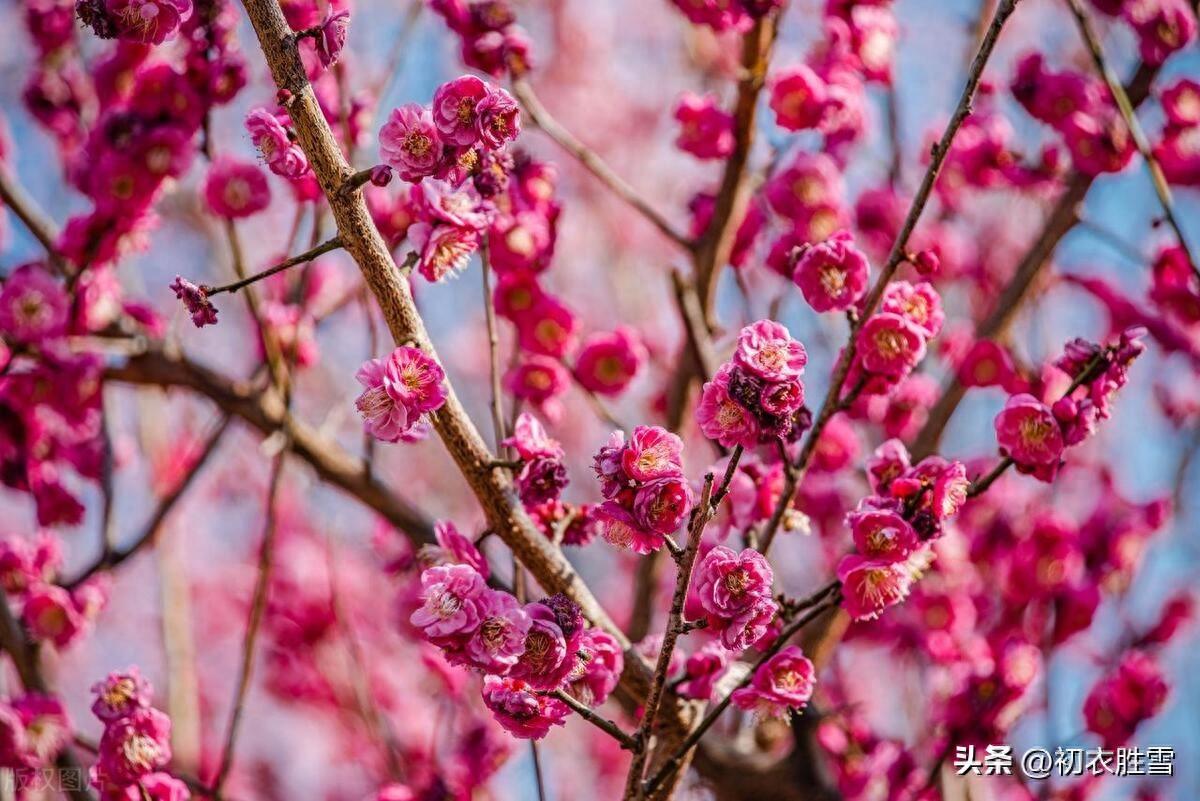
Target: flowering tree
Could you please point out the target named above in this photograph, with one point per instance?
(631, 435)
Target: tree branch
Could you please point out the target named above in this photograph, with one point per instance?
(494, 490)
(591, 161)
(264, 410)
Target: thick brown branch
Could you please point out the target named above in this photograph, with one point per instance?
(493, 488)
(32, 217)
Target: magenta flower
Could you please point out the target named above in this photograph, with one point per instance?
(601, 662)
(702, 671)
(520, 710)
(530, 440)
(608, 362)
(283, 156)
(499, 118)
(890, 345)
(145, 21)
(51, 616)
(652, 452)
(986, 364)
(445, 250)
(782, 684)
(747, 627)
(1028, 432)
(135, 746)
(455, 109)
(920, 304)
(1098, 143)
(538, 379)
(882, 535)
(384, 417)
(195, 300)
(662, 505)
(798, 98)
(722, 418)
(810, 186)
(235, 189)
(833, 275)
(33, 305)
(419, 382)
(548, 327)
(619, 528)
(47, 727)
(499, 640)
(767, 350)
(1181, 102)
(728, 583)
(705, 130)
(120, 694)
(331, 36)
(544, 661)
(1162, 26)
(409, 142)
(454, 547)
(452, 601)
(1135, 691)
(869, 586)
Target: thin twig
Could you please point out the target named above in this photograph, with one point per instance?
(604, 724)
(306, 256)
(258, 606)
(687, 561)
(31, 216)
(706, 509)
(589, 159)
(493, 339)
(111, 558)
(1121, 98)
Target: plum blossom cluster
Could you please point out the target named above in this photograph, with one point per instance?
(1134, 691)
(468, 119)
(1162, 26)
(50, 399)
(1080, 109)
(757, 396)
(646, 495)
(542, 476)
(399, 391)
(780, 686)
(521, 242)
(526, 652)
(492, 41)
(1034, 434)
(893, 529)
(1177, 152)
(460, 141)
(734, 592)
(127, 123)
(52, 614)
(136, 744)
(894, 340)
(34, 729)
